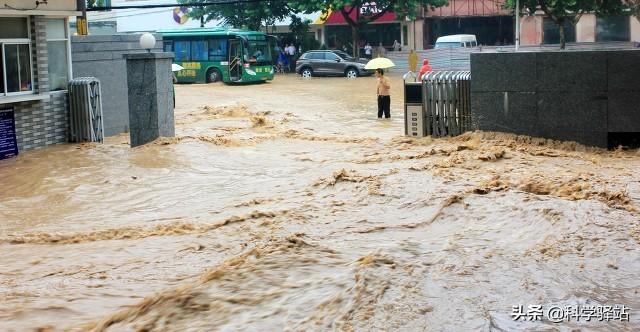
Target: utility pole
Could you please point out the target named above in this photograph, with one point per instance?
(81, 21)
(517, 25)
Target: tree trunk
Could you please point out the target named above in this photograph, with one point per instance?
(355, 36)
(561, 30)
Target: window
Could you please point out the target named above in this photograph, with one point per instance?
(217, 50)
(199, 50)
(612, 28)
(57, 48)
(182, 50)
(316, 56)
(167, 46)
(259, 52)
(15, 56)
(331, 57)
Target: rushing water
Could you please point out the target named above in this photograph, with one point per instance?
(290, 206)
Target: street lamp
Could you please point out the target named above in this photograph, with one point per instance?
(517, 24)
(147, 41)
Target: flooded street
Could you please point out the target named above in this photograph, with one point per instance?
(288, 206)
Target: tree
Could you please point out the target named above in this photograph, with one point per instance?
(98, 3)
(251, 15)
(300, 30)
(358, 13)
(561, 11)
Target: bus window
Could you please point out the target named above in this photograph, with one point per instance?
(199, 50)
(217, 50)
(167, 46)
(182, 49)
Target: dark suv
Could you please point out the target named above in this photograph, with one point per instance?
(329, 62)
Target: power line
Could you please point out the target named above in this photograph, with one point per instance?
(189, 4)
(128, 14)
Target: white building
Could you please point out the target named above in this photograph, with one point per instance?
(34, 71)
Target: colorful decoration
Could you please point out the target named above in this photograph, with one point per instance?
(181, 15)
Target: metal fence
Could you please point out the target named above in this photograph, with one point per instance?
(85, 103)
(447, 102)
(439, 105)
(459, 58)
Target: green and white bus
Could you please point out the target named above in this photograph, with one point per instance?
(220, 54)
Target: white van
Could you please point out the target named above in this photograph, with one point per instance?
(456, 41)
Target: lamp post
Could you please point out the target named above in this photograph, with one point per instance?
(147, 41)
(517, 25)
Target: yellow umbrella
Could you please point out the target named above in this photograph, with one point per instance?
(379, 63)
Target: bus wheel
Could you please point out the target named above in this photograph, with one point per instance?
(213, 75)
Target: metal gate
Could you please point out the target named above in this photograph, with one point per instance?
(447, 102)
(85, 106)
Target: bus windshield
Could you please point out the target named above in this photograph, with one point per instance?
(258, 52)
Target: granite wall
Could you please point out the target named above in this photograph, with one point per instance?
(150, 85)
(101, 56)
(592, 97)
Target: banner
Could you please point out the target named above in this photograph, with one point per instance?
(8, 141)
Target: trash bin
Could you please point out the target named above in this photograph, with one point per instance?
(414, 117)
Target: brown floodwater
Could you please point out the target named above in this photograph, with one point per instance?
(288, 206)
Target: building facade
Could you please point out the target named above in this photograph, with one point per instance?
(35, 69)
(487, 19)
(537, 30)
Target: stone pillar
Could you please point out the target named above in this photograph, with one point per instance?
(531, 30)
(150, 85)
(586, 29)
(634, 26)
(416, 34)
(41, 57)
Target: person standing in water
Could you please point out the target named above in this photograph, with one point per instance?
(367, 51)
(384, 100)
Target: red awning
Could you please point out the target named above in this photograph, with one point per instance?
(336, 18)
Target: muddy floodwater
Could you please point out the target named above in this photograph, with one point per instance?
(288, 206)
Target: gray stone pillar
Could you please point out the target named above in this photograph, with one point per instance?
(150, 85)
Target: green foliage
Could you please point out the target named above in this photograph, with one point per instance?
(561, 11)
(402, 8)
(254, 15)
(98, 3)
(249, 15)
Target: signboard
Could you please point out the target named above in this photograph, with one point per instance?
(369, 8)
(8, 141)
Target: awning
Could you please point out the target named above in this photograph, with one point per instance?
(336, 18)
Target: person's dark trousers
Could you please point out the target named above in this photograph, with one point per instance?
(384, 106)
(292, 65)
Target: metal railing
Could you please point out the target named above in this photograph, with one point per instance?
(438, 105)
(447, 102)
(85, 110)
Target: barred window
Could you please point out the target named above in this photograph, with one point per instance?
(15, 56)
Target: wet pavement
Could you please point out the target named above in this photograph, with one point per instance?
(288, 206)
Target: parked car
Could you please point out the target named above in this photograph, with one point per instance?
(455, 41)
(330, 62)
